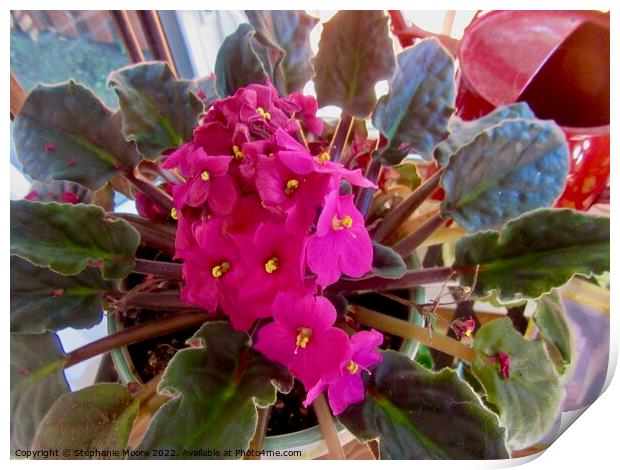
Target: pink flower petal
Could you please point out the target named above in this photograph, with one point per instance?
(277, 342)
(300, 162)
(319, 254)
(223, 195)
(314, 392)
(349, 389)
(364, 348)
(321, 357)
(355, 253)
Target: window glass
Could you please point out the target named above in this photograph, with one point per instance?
(53, 46)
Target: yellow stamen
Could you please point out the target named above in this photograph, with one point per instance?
(272, 265)
(239, 155)
(291, 186)
(303, 337)
(352, 367)
(323, 158)
(205, 176)
(339, 224)
(174, 214)
(263, 113)
(220, 269)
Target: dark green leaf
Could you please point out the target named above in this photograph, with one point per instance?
(355, 52)
(419, 414)
(42, 300)
(414, 115)
(241, 60)
(290, 31)
(33, 389)
(534, 253)
(64, 132)
(514, 167)
(530, 400)
(387, 263)
(216, 387)
(551, 321)
(66, 238)
(159, 112)
(96, 418)
(463, 132)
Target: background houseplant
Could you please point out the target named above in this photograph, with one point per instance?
(498, 174)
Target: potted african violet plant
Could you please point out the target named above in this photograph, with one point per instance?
(273, 253)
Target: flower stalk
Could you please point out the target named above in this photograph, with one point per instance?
(365, 195)
(411, 278)
(135, 334)
(158, 268)
(328, 428)
(406, 330)
(408, 244)
(341, 136)
(400, 213)
(150, 190)
(158, 235)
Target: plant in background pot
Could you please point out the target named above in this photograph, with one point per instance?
(271, 268)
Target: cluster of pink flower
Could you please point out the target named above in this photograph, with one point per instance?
(263, 227)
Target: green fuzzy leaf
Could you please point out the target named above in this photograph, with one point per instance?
(355, 52)
(42, 300)
(66, 237)
(514, 167)
(242, 60)
(463, 132)
(530, 400)
(96, 418)
(216, 388)
(551, 321)
(534, 253)
(64, 132)
(288, 30)
(387, 263)
(419, 414)
(414, 115)
(34, 387)
(159, 112)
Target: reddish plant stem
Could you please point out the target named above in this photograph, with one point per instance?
(341, 136)
(158, 235)
(149, 189)
(157, 170)
(407, 207)
(158, 268)
(168, 300)
(365, 196)
(135, 334)
(408, 244)
(412, 278)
